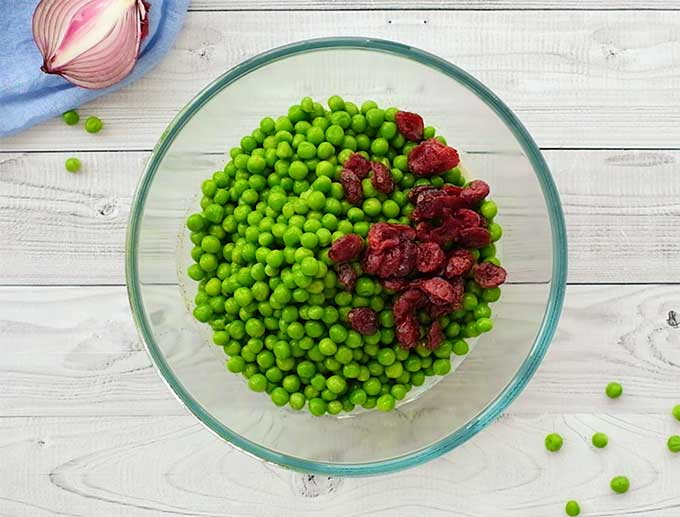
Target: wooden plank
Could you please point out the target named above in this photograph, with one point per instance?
(621, 209)
(576, 78)
(491, 5)
(171, 466)
(75, 351)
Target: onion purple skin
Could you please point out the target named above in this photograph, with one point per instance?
(59, 23)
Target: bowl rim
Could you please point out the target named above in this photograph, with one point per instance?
(557, 283)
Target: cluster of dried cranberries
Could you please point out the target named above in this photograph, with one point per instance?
(427, 261)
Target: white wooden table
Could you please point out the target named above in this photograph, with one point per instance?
(88, 428)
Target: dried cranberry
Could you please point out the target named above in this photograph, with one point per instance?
(438, 290)
(414, 192)
(358, 165)
(452, 190)
(468, 218)
(398, 261)
(371, 261)
(394, 284)
(407, 331)
(432, 157)
(489, 275)
(410, 125)
(451, 202)
(474, 237)
(424, 232)
(459, 263)
(382, 178)
(364, 320)
(435, 336)
(347, 276)
(448, 231)
(383, 231)
(437, 311)
(427, 205)
(351, 184)
(346, 248)
(429, 257)
(474, 192)
(408, 301)
(458, 286)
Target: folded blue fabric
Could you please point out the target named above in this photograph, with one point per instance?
(27, 95)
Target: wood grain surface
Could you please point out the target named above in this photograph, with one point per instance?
(570, 76)
(490, 5)
(70, 228)
(169, 465)
(69, 351)
(88, 428)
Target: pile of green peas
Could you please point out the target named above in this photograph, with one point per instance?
(267, 287)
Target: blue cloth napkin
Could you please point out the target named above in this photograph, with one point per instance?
(28, 96)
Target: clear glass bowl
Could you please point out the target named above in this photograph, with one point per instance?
(496, 148)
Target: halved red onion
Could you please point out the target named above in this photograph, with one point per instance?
(91, 43)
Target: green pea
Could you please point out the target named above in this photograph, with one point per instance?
(495, 230)
(390, 209)
(380, 146)
(600, 440)
(72, 164)
(572, 508)
(614, 390)
(674, 443)
(441, 366)
(93, 124)
(469, 301)
(195, 222)
(336, 384)
(297, 400)
(385, 402)
(257, 382)
(676, 412)
(335, 136)
(372, 207)
(488, 209)
(553, 442)
(341, 118)
(328, 347)
(372, 386)
(236, 364)
(386, 356)
(280, 396)
(375, 117)
(388, 129)
(337, 333)
(317, 406)
(620, 484)
(291, 383)
(71, 117)
(491, 294)
(306, 369)
(484, 324)
(336, 103)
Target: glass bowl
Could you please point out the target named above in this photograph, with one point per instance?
(496, 148)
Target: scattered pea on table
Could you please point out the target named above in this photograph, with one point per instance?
(572, 508)
(553, 442)
(72, 164)
(614, 390)
(600, 440)
(674, 443)
(620, 484)
(71, 117)
(93, 124)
